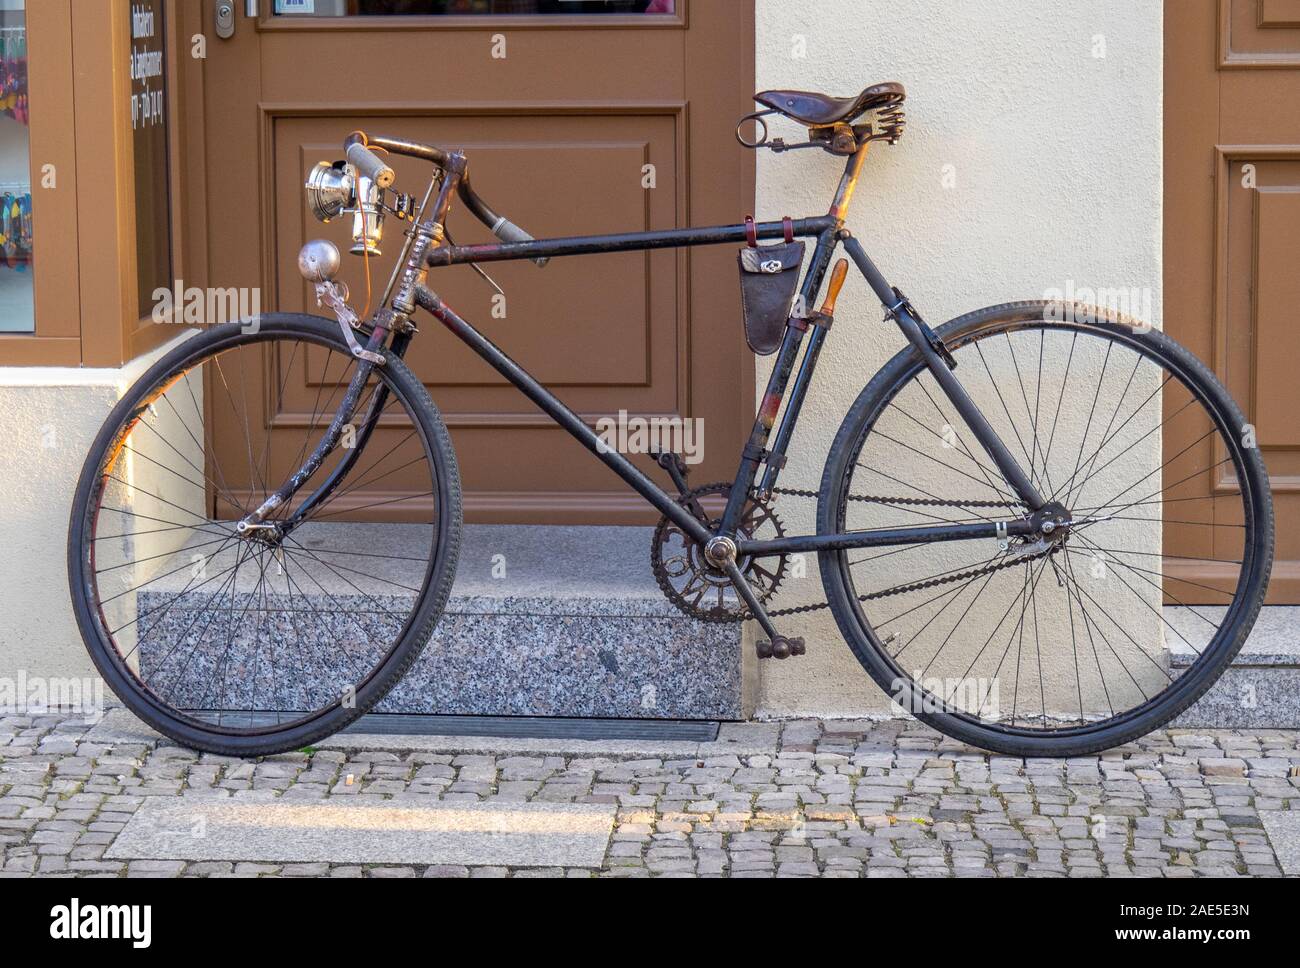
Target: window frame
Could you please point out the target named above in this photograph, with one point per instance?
(84, 260)
(56, 338)
(269, 21)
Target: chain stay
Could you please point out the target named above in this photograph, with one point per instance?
(914, 586)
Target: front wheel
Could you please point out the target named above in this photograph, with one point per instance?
(1108, 622)
(262, 640)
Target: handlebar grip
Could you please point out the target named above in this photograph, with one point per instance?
(371, 165)
(508, 231)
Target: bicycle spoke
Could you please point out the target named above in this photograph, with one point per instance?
(249, 633)
(1055, 651)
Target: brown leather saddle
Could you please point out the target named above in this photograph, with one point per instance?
(816, 110)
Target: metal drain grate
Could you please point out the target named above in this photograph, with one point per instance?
(536, 727)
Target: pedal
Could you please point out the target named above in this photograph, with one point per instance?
(780, 647)
(676, 468)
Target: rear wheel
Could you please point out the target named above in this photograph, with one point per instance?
(1092, 631)
(260, 642)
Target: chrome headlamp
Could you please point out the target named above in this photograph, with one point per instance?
(339, 189)
(330, 190)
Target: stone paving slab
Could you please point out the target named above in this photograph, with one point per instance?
(797, 798)
(1283, 829)
(348, 832)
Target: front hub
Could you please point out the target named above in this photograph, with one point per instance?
(266, 533)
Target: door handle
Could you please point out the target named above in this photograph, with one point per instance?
(224, 18)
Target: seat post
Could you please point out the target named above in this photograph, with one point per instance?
(849, 182)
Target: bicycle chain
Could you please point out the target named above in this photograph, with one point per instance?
(914, 586)
(879, 499)
(919, 585)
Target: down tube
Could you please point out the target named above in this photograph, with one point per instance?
(561, 414)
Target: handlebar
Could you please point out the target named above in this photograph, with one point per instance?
(369, 164)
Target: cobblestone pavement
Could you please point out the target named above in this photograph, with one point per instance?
(831, 799)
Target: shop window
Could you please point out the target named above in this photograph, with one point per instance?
(425, 8)
(17, 306)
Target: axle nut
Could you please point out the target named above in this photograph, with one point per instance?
(719, 551)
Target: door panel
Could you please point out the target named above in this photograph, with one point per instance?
(1232, 230)
(621, 300)
(559, 134)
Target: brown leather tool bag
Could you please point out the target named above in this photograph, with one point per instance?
(769, 278)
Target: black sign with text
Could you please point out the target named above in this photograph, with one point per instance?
(149, 140)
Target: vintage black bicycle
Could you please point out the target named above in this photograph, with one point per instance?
(992, 524)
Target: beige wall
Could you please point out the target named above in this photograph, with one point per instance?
(1028, 164)
(48, 418)
(46, 431)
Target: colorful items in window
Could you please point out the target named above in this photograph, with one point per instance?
(13, 72)
(16, 230)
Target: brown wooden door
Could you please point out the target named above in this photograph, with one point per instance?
(559, 132)
(1232, 236)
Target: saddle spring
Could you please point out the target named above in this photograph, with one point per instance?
(889, 123)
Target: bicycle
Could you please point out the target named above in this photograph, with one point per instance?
(1005, 459)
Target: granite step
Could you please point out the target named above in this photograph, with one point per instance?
(1261, 689)
(542, 621)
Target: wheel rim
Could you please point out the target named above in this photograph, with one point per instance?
(251, 636)
(935, 642)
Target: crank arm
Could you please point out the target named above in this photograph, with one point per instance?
(750, 599)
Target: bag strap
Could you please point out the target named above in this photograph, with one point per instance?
(751, 230)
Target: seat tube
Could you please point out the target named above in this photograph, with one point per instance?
(849, 183)
(802, 381)
(839, 211)
(755, 451)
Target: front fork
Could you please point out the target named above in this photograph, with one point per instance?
(255, 524)
(408, 276)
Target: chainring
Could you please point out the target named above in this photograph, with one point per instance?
(693, 585)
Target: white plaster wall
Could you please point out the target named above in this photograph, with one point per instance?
(1053, 158)
(48, 418)
(46, 431)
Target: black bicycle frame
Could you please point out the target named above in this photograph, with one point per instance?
(829, 232)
